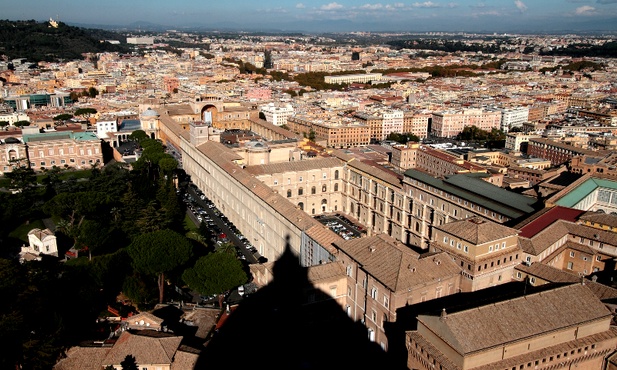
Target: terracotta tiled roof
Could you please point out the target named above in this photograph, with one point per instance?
(551, 351)
(325, 272)
(395, 265)
(549, 273)
(304, 165)
(83, 358)
(41, 234)
(477, 230)
(224, 158)
(609, 220)
(524, 317)
(377, 172)
(148, 347)
(154, 321)
(184, 360)
(545, 238)
(592, 233)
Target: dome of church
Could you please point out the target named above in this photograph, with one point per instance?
(150, 113)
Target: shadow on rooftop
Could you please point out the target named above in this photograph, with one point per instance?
(281, 326)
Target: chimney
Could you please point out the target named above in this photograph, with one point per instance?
(443, 314)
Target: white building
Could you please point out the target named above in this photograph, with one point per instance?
(346, 79)
(11, 118)
(392, 122)
(140, 40)
(514, 140)
(277, 114)
(513, 117)
(40, 242)
(104, 126)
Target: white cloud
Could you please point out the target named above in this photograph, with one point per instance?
(371, 6)
(520, 5)
(426, 4)
(585, 10)
(331, 6)
(300, 6)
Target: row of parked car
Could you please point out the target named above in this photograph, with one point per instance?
(203, 215)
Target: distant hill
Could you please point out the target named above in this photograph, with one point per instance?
(39, 41)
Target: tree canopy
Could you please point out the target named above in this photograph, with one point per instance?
(215, 273)
(159, 252)
(85, 112)
(402, 138)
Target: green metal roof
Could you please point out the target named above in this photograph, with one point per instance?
(579, 193)
(81, 136)
(473, 189)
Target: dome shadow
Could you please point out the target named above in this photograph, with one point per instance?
(290, 324)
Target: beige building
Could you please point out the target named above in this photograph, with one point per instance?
(547, 330)
(514, 140)
(334, 132)
(487, 252)
(416, 123)
(384, 275)
(435, 202)
(77, 150)
(373, 122)
(314, 186)
(451, 123)
(151, 349)
(12, 153)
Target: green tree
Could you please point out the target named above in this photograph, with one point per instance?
(22, 178)
(215, 273)
(402, 138)
(74, 96)
(138, 135)
(516, 129)
(85, 112)
(73, 208)
(21, 123)
(138, 291)
(92, 236)
(473, 133)
(152, 218)
(167, 165)
(170, 204)
(52, 181)
(159, 252)
(93, 92)
(129, 363)
(312, 135)
(63, 117)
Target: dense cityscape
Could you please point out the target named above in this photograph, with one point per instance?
(414, 200)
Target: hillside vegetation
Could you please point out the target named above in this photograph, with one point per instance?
(39, 41)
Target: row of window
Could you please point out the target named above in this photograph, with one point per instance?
(324, 188)
(496, 247)
(301, 179)
(52, 152)
(449, 241)
(62, 161)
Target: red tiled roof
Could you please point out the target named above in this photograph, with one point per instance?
(542, 222)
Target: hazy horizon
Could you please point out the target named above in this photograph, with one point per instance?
(499, 16)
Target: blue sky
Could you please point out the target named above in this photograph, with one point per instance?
(340, 15)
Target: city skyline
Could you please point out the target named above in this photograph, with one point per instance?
(508, 16)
